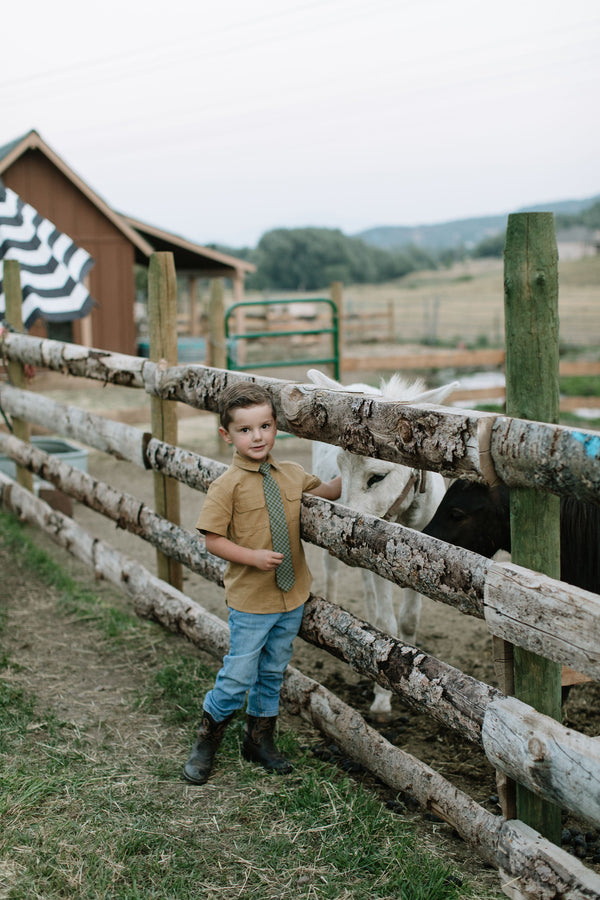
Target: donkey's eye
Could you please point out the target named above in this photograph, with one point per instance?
(374, 479)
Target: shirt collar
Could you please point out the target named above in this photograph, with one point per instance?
(251, 465)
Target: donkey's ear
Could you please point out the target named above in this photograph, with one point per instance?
(436, 395)
(324, 381)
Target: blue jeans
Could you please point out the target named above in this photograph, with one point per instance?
(260, 648)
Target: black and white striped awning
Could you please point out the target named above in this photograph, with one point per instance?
(52, 266)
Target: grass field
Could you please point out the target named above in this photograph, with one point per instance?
(465, 304)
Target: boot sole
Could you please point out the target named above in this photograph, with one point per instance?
(192, 780)
(272, 770)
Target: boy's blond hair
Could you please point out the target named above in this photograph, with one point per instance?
(241, 395)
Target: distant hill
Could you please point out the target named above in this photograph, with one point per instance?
(460, 232)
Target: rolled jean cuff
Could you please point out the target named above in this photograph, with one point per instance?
(262, 714)
(217, 714)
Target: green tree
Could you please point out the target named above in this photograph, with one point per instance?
(589, 217)
(490, 246)
(311, 258)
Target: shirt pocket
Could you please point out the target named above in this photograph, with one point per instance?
(293, 498)
(252, 521)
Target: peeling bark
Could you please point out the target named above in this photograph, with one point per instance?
(452, 698)
(549, 457)
(194, 470)
(402, 555)
(550, 618)
(427, 436)
(73, 359)
(123, 441)
(533, 868)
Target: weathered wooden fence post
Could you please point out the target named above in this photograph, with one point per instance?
(216, 348)
(162, 315)
(531, 327)
(194, 306)
(216, 343)
(16, 372)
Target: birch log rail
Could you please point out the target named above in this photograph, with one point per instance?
(529, 865)
(558, 763)
(456, 700)
(124, 509)
(553, 458)
(120, 440)
(570, 462)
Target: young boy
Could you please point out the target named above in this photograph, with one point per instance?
(265, 587)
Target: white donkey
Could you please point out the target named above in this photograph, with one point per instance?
(390, 491)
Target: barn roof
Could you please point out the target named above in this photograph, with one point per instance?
(145, 238)
(189, 256)
(10, 152)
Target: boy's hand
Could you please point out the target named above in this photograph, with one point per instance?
(267, 560)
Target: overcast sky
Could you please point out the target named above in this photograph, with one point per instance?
(221, 121)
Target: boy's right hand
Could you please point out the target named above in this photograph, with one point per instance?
(267, 560)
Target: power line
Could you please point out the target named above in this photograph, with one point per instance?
(175, 47)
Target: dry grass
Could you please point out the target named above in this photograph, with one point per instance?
(465, 304)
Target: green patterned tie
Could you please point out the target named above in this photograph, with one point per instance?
(284, 574)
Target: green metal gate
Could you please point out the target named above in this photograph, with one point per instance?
(231, 339)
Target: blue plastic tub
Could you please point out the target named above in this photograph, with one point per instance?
(189, 349)
(63, 450)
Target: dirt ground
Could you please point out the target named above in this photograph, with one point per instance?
(457, 639)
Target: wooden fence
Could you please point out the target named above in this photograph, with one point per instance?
(467, 310)
(532, 611)
(361, 332)
(430, 359)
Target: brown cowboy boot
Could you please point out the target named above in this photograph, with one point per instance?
(258, 745)
(210, 734)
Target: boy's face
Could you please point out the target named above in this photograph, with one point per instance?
(252, 431)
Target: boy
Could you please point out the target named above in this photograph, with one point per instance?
(266, 582)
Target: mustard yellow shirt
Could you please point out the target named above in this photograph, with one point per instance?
(235, 508)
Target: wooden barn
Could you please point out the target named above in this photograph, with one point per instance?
(30, 168)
